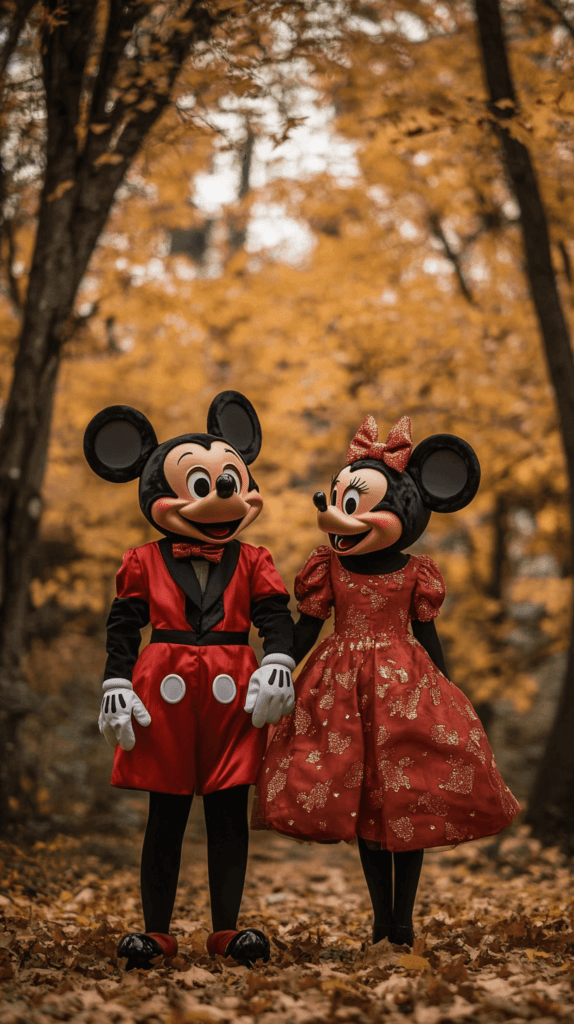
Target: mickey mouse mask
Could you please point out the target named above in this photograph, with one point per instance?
(194, 485)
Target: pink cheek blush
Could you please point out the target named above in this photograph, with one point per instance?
(388, 523)
(163, 505)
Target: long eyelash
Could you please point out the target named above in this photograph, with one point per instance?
(334, 480)
(359, 485)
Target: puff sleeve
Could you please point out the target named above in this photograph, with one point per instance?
(429, 591)
(265, 579)
(313, 584)
(130, 581)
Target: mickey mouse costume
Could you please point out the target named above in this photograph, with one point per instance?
(382, 746)
(196, 694)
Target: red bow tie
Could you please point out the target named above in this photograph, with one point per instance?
(213, 552)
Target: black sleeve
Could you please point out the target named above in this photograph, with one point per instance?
(427, 636)
(307, 629)
(271, 616)
(127, 617)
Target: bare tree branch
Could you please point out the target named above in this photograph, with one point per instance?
(453, 257)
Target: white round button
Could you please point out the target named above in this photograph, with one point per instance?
(172, 689)
(224, 689)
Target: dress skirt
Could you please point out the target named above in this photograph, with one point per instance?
(381, 744)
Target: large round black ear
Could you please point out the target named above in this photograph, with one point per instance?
(446, 472)
(232, 417)
(118, 442)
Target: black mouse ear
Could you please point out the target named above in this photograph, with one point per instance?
(446, 472)
(232, 417)
(118, 442)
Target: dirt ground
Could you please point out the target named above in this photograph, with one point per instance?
(494, 925)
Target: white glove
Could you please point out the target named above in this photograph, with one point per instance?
(115, 721)
(270, 693)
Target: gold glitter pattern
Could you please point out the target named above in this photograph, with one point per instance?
(407, 760)
(433, 803)
(440, 734)
(338, 745)
(465, 710)
(453, 834)
(327, 701)
(399, 675)
(474, 745)
(393, 774)
(376, 599)
(403, 828)
(383, 735)
(313, 757)
(317, 798)
(355, 624)
(405, 706)
(347, 679)
(276, 784)
(301, 719)
(461, 778)
(354, 776)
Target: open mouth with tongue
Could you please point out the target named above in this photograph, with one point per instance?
(345, 542)
(219, 531)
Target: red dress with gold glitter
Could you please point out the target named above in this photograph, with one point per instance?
(381, 744)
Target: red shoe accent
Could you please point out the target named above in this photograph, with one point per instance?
(167, 942)
(218, 942)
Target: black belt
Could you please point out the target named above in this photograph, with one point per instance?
(191, 639)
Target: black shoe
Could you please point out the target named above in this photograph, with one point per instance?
(401, 935)
(380, 931)
(248, 946)
(140, 950)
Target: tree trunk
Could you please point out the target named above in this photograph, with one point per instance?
(551, 806)
(81, 180)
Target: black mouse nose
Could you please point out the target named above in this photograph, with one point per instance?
(320, 501)
(225, 485)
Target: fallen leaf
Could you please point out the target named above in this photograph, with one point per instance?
(411, 962)
(193, 977)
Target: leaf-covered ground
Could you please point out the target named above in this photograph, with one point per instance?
(494, 925)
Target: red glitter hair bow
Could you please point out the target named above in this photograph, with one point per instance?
(395, 451)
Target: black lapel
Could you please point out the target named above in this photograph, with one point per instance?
(220, 574)
(202, 611)
(183, 573)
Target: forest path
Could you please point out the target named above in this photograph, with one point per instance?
(494, 924)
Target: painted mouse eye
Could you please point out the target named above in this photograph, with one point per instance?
(231, 471)
(351, 501)
(334, 497)
(199, 483)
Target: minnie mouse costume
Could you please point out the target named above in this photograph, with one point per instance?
(382, 746)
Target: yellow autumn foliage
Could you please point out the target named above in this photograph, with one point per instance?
(411, 299)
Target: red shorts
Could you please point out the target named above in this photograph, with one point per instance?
(199, 743)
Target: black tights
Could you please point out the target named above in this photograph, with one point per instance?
(378, 871)
(227, 844)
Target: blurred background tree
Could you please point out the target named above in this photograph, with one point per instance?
(322, 219)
